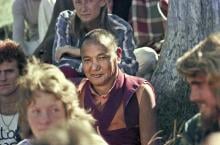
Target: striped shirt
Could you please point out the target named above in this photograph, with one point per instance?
(122, 31)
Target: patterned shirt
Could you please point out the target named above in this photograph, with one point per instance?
(9, 130)
(147, 22)
(122, 31)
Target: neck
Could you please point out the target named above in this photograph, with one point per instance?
(103, 90)
(8, 104)
(92, 24)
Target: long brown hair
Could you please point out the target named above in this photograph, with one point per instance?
(78, 29)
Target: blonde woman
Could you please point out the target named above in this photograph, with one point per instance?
(47, 99)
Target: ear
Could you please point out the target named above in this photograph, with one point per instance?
(103, 3)
(119, 54)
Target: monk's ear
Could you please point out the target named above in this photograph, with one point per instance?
(119, 54)
(103, 3)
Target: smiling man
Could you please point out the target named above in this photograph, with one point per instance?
(201, 68)
(123, 105)
(12, 64)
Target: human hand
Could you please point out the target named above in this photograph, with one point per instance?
(60, 51)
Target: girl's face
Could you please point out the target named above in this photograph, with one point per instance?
(44, 112)
(88, 10)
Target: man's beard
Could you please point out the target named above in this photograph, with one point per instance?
(210, 123)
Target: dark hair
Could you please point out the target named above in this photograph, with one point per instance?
(10, 50)
(102, 37)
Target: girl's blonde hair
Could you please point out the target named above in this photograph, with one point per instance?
(48, 78)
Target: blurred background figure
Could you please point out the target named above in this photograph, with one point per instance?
(26, 28)
(44, 50)
(147, 19)
(44, 17)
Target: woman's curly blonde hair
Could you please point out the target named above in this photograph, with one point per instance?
(48, 78)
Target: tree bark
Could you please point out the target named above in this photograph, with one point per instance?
(189, 21)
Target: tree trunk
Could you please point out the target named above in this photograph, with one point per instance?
(189, 21)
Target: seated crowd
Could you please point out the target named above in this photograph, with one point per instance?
(93, 87)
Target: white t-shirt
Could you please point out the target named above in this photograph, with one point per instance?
(8, 129)
(25, 142)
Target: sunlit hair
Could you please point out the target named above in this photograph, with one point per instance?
(78, 29)
(71, 133)
(10, 50)
(48, 78)
(203, 59)
(102, 37)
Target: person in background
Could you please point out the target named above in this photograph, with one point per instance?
(117, 6)
(71, 133)
(147, 19)
(72, 26)
(200, 66)
(44, 50)
(44, 17)
(28, 28)
(47, 99)
(12, 65)
(123, 105)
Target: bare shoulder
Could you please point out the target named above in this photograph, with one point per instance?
(145, 94)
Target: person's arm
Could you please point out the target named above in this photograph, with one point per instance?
(67, 49)
(128, 63)
(147, 119)
(62, 36)
(18, 23)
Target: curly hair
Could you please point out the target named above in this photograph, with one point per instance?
(10, 50)
(48, 78)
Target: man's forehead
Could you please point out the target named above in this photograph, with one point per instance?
(99, 48)
(8, 64)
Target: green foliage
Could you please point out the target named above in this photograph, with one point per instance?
(6, 19)
(5, 12)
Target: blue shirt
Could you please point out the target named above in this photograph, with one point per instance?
(122, 31)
